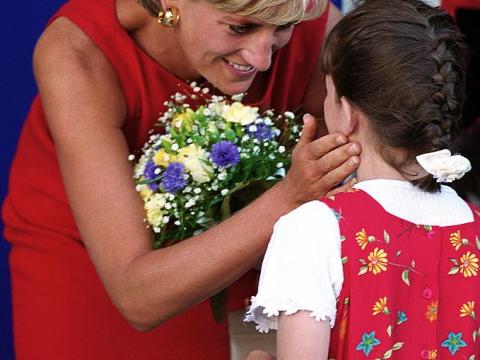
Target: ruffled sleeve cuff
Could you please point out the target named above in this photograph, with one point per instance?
(302, 269)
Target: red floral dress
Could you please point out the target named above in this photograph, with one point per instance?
(409, 290)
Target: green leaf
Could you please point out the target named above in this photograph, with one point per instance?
(389, 330)
(230, 135)
(474, 335)
(427, 227)
(453, 270)
(362, 261)
(386, 237)
(472, 357)
(454, 261)
(398, 252)
(363, 270)
(477, 240)
(397, 346)
(405, 277)
(388, 354)
(413, 264)
(344, 259)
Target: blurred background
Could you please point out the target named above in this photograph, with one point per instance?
(25, 23)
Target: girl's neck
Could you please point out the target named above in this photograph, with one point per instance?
(373, 166)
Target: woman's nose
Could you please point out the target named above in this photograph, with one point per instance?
(258, 52)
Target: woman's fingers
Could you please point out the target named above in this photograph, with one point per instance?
(339, 163)
(324, 145)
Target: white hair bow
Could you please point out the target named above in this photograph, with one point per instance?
(443, 166)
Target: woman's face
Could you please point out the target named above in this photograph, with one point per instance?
(226, 49)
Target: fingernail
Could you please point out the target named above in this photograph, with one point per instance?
(306, 116)
(355, 148)
(341, 140)
(354, 161)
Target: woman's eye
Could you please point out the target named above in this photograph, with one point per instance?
(286, 26)
(240, 29)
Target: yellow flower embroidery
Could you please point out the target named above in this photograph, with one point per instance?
(378, 261)
(432, 311)
(468, 264)
(456, 240)
(468, 309)
(381, 307)
(432, 354)
(363, 239)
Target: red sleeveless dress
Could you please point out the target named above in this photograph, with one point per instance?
(61, 309)
(410, 291)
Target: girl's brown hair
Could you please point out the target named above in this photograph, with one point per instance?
(402, 63)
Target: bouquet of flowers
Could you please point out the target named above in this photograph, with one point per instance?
(211, 160)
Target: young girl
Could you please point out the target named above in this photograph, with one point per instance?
(391, 266)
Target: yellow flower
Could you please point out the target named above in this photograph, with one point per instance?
(432, 354)
(238, 113)
(184, 119)
(153, 208)
(363, 239)
(468, 264)
(468, 309)
(194, 158)
(432, 311)
(381, 306)
(145, 192)
(378, 261)
(456, 240)
(162, 158)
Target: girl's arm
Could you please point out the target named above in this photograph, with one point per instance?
(85, 111)
(300, 336)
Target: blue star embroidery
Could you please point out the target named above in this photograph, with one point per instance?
(454, 342)
(368, 342)
(402, 317)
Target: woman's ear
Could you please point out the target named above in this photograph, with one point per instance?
(349, 116)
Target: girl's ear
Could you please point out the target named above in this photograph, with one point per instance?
(349, 116)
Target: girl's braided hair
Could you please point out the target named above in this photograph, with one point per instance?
(402, 63)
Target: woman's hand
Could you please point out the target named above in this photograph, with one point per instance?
(319, 165)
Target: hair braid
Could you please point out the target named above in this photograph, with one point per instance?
(440, 114)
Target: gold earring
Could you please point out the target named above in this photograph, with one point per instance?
(168, 17)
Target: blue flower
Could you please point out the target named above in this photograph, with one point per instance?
(368, 342)
(402, 317)
(225, 154)
(149, 174)
(454, 342)
(262, 132)
(173, 180)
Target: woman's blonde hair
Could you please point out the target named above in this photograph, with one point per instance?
(274, 12)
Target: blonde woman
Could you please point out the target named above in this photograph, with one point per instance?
(84, 273)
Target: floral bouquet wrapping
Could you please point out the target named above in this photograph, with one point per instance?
(211, 161)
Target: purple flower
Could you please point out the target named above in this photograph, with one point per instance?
(149, 174)
(225, 154)
(262, 132)
(173, 180)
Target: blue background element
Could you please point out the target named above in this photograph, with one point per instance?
(22, 25)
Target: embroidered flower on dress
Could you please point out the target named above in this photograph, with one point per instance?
(378, 261)
(363, 239)
(456, 240)
(401, 317)
(432, 311)
(367, 343)
(381, 307)
(454, 342)
(468, 264)
(468, 309)
(432, 354)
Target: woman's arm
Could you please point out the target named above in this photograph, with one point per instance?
(85, 112)
(300, 336)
